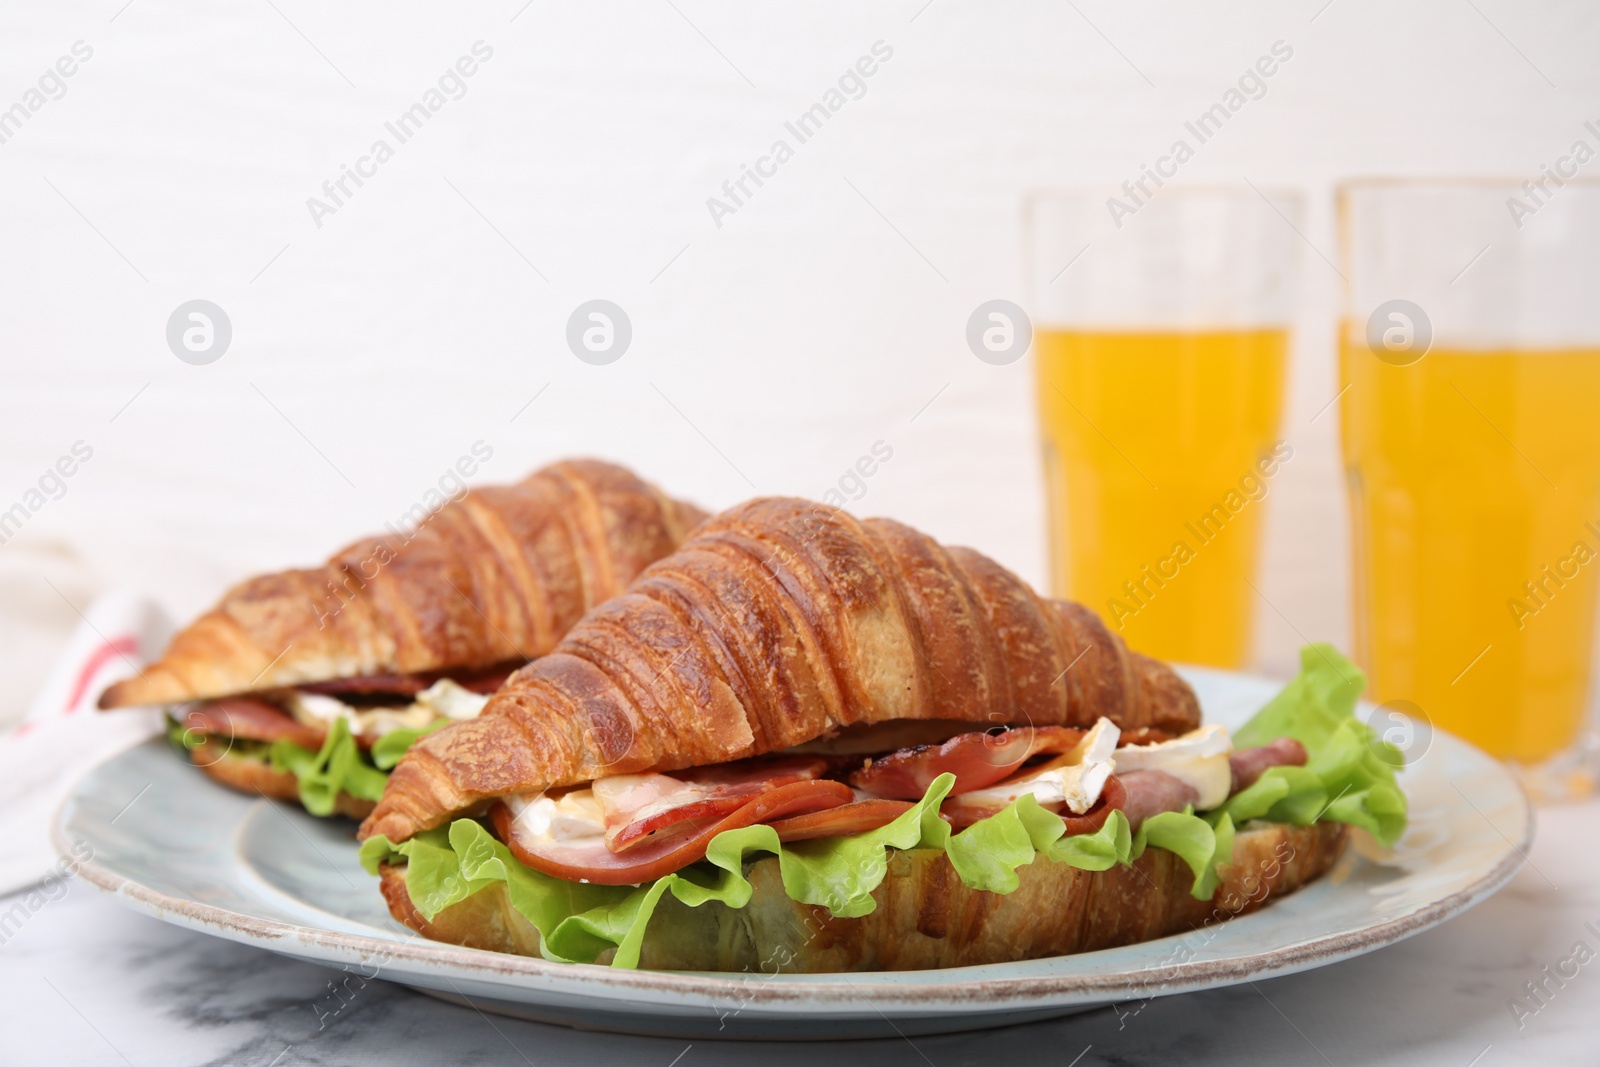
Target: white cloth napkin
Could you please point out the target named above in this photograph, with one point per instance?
(63, 736)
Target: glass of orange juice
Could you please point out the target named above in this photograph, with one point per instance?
(1470, 365)
(1161, 340)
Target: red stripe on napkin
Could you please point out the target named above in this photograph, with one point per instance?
(127, 646)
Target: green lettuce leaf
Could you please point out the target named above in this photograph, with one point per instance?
(987, 854)
(187, 738)
(388, 749)
(182, 737)
(1201, 844)
(338, 765)
(838, 873)
(1349, 776)
(322, 775)
(446, 865)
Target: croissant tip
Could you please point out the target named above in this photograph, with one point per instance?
(119, 694)
(149, 688)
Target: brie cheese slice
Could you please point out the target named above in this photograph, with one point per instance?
(1199, 759)
(575, 817)
(443, 699)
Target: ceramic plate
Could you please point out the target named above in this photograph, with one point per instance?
(171, 843)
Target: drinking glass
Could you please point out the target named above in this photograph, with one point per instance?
(1470, 366)
(1161, 340)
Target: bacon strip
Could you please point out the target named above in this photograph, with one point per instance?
(842, 821)
(1248, 764)
(1153, 792)
(637, 806)
(589, 860)
(976, 759)
(251, 719)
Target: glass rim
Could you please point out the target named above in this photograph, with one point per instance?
(1347, 223)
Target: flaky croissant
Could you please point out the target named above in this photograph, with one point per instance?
(496, 575)
(778, 622)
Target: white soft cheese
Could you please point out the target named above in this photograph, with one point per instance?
(443, 699)
(1199, 759)
(573, 818)
(451, 701)
(626, 798)
(1075, 779)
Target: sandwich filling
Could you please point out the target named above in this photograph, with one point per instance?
(340, 736)
(586, 865)
(632, 828)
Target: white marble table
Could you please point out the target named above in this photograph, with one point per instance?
(86, 981)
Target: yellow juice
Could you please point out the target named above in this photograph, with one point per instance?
(1159, 451)
(1475, 495)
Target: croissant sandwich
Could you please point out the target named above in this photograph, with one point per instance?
(806, 742)
(309, 684)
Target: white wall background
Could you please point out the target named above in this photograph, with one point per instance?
(768, 354)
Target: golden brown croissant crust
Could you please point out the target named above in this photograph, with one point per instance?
(780, 621)
(925, 916)
(498, 574)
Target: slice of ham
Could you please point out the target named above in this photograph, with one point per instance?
(587, 859)
(842, 821)
(976, 759)
(370, 685)
(1150, 793)
(1248, 764)
(961, 813)
(637, 806)
(251, 719)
